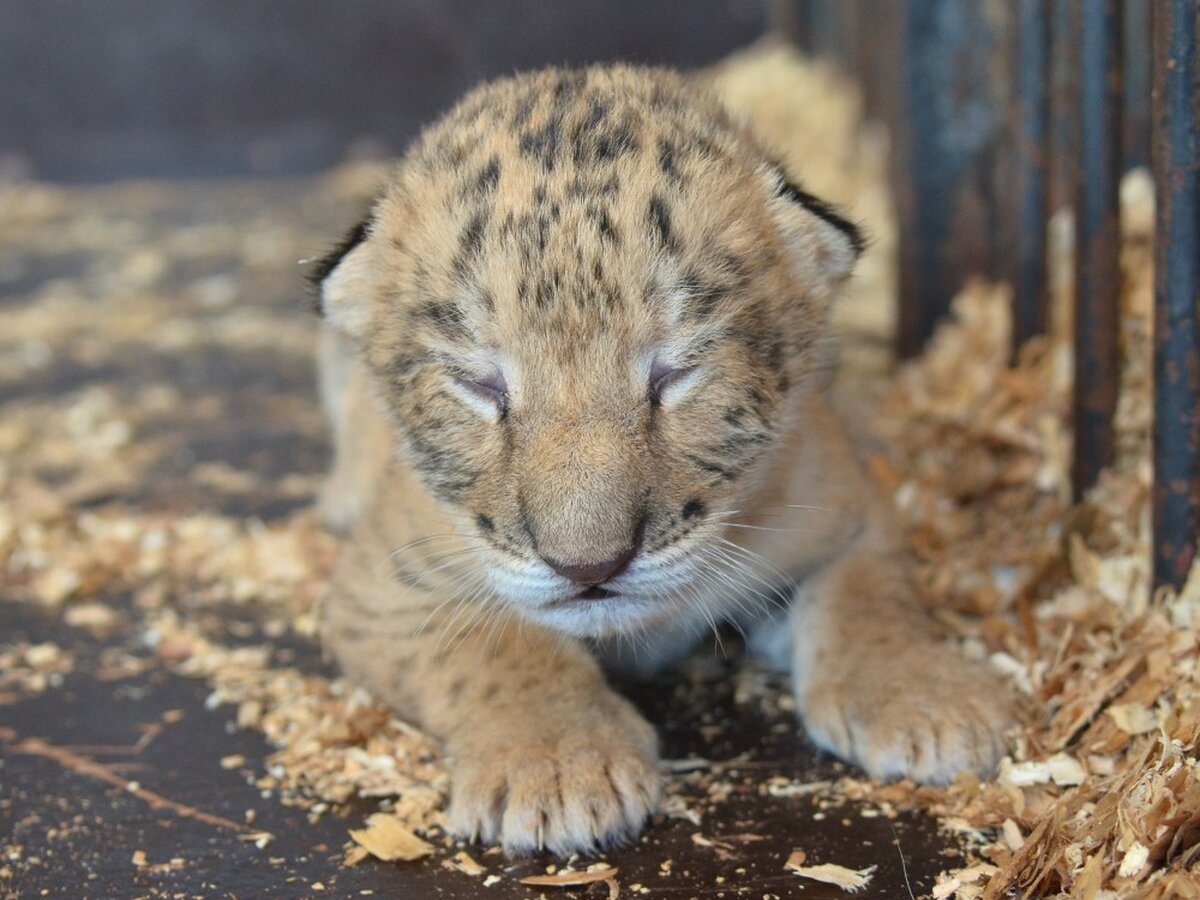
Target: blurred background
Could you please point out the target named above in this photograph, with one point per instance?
(133, 88)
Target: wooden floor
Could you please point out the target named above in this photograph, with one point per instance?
(67, 827)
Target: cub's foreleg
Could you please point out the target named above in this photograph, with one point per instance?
(875, 685)
(543, 753)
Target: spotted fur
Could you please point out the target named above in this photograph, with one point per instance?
(583, 324)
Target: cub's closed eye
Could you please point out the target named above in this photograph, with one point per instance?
(662, 377)
(493, 389)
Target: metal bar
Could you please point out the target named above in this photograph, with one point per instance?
(1136, 113)
(1064, 110)
(1031, 146)
(1176, 119)
(946, 128)
(1097, 263)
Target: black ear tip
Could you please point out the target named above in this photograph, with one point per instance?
(824, 211)
(319, 270)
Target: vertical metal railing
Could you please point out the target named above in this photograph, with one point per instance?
(1097, 240)
(1176, 121)
(1003, 111)
(946, 201)
(1031, 146)
(1135, 142)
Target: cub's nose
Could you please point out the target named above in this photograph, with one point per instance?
(600, 572)
(595, 573)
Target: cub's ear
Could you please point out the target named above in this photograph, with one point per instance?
(341, 282)
(824, 244)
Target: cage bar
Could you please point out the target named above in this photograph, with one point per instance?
(945, 134)
(1097, 247)
(1135, 47)
(1031, 107)
(1176, 290)
(1064, 108)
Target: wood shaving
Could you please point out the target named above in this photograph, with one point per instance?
(465, 863)
(964, 882)
(1059, 769)
(850, 880)
(27, 669)
(572, 879)
(387, 838)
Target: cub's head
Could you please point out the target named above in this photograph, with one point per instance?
(586, 299)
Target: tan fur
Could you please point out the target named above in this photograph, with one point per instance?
(570, 231)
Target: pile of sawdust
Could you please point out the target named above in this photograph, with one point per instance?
(1102, 789)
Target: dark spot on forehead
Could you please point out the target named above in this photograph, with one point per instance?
(693, 508)
(542, 143)
(604, 223)
(610, 141)
(660, 221)
(488, 177)
(583, 135)
(591, 186)
(485, 523)
(547, 287)
(667, 163)
(470, 242)
(472, 236)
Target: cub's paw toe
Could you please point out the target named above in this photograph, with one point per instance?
(574, 791)
(927, 717)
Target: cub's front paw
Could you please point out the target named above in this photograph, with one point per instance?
(925, 714)
(570, 785)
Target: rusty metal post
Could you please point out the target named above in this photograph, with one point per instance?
(1031, 107)
(1097, 263)
(1136, 102)
(1176, 117)
(946, 130)
(1064, 109)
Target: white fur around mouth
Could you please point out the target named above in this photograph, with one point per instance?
(596, 618)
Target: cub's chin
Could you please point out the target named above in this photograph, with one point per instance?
(597, 613)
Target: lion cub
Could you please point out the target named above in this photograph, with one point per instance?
(571, 361)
